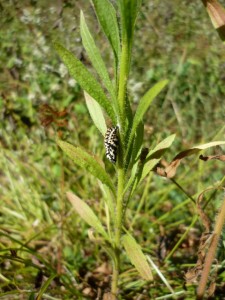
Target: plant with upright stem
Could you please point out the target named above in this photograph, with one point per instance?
(133, 162)
(115, 101)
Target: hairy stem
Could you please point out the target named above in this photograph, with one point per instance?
(118, 228)
(122, 88)
(115, 277)
(123, 76)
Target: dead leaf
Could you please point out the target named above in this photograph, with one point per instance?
(219, 157)
(205, 220)
(217, 15)
(208, 238)
(170, 170)
(216, 12)
(109, 296)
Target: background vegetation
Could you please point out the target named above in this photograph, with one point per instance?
(40, 234)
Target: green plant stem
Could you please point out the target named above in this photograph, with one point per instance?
(118, 228)
(123, 76)
(115, 277)
(211, 252)
(119, 206)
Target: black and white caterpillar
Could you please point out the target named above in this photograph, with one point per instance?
(111, 143)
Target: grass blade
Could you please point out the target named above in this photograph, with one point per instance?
(45, 286)
(96, 113)
(86, 213)
(137, 257)
(85, 79)
(95, 56)
(86, 161)
(162, 277)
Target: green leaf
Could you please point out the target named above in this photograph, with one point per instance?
(148, 166)
(155, 155)
(160, 149)
(135, 153)
(109, 200)
(143, 106)
(85, 79)
(96, 113)
(137, 145)
(137, 257)
(133, 178)
(107, 18)
(95, 56)
(87, 162)
(128, 11)
(86, 213)
(135, 150)
(141, 170)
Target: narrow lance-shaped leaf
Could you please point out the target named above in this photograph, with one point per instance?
(151, 160)
(106, 15)
(86, 161)
(96, 113)
(135, 153)
(85, 79)
(129, 11)
(86, 213)
(137, 257)
(95, 56)
(109, 200)
(155, 155)
(138, 141)
(143, 106)
(161, 147)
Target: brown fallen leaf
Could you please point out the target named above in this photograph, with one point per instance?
(219, 157)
